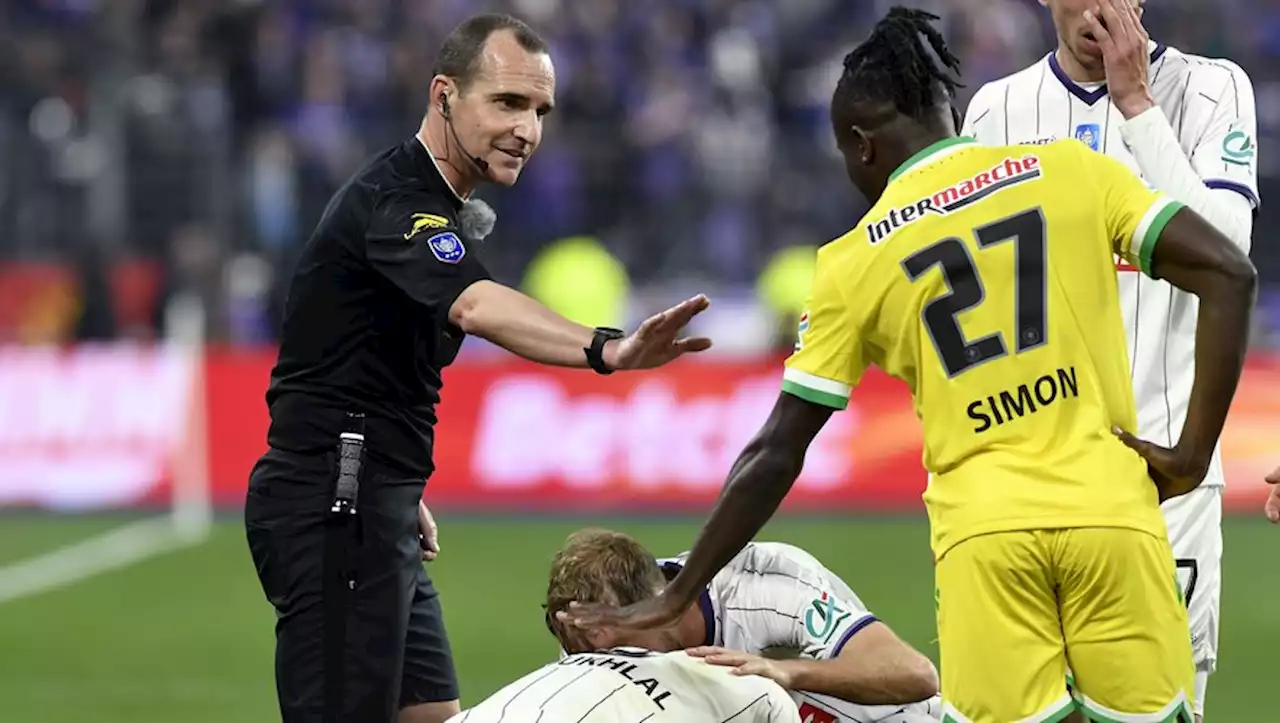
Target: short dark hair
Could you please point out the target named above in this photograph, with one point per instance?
(599, 566)
(893, 68)
(459, 56)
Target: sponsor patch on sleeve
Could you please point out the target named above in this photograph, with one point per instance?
(423, 222)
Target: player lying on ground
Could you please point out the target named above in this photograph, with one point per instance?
(1186, 125)
(984, 278)
(771, 600)
(634, 685)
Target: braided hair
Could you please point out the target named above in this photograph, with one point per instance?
(892, 70)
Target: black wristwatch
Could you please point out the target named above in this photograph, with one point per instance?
(595, 352)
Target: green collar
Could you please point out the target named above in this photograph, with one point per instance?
(919, 157)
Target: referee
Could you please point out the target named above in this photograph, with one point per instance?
(384, 292)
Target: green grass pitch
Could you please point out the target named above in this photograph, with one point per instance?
(187, 635)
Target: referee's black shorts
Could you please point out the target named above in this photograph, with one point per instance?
(351, 654)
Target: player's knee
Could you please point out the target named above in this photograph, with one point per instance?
(429, 712)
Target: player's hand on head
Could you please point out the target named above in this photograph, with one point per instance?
(1174, 471)
(1117, 27)
(657, 341)
(744, 663)
(652, 614)
(1272, 506)
(428, 533)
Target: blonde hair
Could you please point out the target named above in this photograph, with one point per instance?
(598, 566)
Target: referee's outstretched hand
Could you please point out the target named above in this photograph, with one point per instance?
(1173, 471)
(657, 341)
(1272, 507)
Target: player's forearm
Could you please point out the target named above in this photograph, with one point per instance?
(759, 480)
(1165, 165)
(520, 325)
(1222, 339)
(884, 680)
(757, 484)
(1194, 257)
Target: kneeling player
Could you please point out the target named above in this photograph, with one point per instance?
(627, 685)
(774, 610)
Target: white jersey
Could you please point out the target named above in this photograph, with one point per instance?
(630, 685)
(1210, 106)
(777, 600)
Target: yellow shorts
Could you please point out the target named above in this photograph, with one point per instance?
(1015, 609)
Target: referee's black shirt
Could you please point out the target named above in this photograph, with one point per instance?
(366, 325)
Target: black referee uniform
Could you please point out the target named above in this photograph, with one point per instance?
(366, 332)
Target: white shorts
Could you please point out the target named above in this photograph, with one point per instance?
(817, 708)
(1195, 533)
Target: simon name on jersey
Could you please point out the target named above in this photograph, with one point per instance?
(980, 186)
(1011, 404)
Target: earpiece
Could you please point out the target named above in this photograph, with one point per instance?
(444, 105)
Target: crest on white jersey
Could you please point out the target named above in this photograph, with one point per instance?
(1089, 134)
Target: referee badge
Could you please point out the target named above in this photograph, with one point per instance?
(447, 247)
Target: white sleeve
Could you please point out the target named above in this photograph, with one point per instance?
(1226, 155)
(1219, 180)
(786, 599)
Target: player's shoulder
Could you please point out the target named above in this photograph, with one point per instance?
(1199, 73)
(843, 255)
(772, 562)
(1068, 162)
(774, 555)
(994, 92)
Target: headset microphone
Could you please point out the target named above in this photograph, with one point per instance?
(476, 161)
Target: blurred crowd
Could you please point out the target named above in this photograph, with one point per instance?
(188, 146)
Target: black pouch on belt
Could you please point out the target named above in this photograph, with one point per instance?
(340, 578)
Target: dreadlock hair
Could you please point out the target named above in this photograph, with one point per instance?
(892, 70)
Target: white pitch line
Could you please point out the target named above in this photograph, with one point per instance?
(112, 550)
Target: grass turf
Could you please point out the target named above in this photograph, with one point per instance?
(187, 635)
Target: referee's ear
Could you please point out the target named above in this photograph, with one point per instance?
(442, 88)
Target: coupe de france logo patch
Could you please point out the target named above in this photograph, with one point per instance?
(1087, 133)
(1238, 148)
(447, 247)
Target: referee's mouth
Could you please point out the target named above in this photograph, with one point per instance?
(520, 153)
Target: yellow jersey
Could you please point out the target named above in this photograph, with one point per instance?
(985, 279)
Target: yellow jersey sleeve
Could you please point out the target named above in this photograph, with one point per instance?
(828, 360)
(1135, 215)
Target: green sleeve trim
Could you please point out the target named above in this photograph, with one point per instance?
(1148, 246)
(824, 399)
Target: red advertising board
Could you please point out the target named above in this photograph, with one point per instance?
(113, 426)
(516, 436)
(93, 427)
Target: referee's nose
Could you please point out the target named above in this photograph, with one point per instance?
(528, 130)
